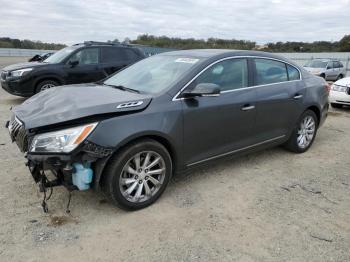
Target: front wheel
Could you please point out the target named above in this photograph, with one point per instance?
(44, 85)
(138, 175)
(304, 133)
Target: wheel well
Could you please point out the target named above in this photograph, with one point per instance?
(46, 79)
(163, 141)
(316, 111)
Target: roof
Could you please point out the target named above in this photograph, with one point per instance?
(210, 53)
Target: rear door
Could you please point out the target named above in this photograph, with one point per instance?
(279, 97)
(113, 59)
(87, 70)
(218, 125)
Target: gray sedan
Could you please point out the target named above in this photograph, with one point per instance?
(128, 134)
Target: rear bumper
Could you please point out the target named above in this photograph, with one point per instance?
(324, 114)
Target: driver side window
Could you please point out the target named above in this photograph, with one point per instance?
(86, 56)
(228, 75)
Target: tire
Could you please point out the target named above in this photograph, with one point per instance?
(323, 76)
(44, 85)
(121, 185)
(339, 77)
(293, 143)
(334, 105)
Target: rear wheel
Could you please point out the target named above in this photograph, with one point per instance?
(138, 175)
(46, 84)
(304, 133)
(323, 76)
(336, 105)
(340, 76)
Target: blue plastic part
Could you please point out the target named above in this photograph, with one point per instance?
(82, 176)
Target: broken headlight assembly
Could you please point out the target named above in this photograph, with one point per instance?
(62, 141)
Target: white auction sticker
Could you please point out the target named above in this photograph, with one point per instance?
(186, 60)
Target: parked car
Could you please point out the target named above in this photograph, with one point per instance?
(128, 134)
(40, 58)
(340, 93)
(80, 63)
(329, 69)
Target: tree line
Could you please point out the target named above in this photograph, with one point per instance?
(179, 43)
(343, 45)
(6, 42)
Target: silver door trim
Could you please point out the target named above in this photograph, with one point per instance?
(175, 98)
(235, 151)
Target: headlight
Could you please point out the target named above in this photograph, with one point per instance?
(21, 72)
(339, 88)
(63, 141)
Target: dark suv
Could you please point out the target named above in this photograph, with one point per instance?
(80, 63)
(129, 133)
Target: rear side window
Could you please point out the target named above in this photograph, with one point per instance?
(293, 73)
(270, 71)
(113, 54)
(228, 75)
(131, 55)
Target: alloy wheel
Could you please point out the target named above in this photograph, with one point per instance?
(306, 131)
(46, 86)
(142, 176)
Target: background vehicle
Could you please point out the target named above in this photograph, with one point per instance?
(340, 93)
(40, 58)
(80, 63)
(164, 114)
(326, 68)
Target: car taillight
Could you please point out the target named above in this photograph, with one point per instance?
(328, 87)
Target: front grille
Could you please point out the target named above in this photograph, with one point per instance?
(18, 134)
(3, 75)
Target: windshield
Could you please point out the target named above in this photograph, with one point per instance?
(317, 64)
(60, 55)
(153, 74)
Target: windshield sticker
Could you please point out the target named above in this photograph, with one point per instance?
(187, 60)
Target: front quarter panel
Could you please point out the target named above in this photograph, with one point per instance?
(162, 118)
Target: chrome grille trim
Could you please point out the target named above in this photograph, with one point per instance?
(18, 134)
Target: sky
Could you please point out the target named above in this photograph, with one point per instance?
(262, 21)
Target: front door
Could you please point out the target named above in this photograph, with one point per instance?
(215, 126)
(83, 67)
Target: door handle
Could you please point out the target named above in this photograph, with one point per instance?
(297, 96)
(247, 107)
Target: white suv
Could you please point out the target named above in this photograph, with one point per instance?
(340, 93)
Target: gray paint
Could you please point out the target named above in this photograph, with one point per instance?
(196, 129)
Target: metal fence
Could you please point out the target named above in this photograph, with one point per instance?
(21, 52)
(299, 58)
(148, 50)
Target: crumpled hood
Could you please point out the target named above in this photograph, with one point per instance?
(65, 103)
(23, 65)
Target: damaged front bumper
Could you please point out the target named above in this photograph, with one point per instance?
(80, 169)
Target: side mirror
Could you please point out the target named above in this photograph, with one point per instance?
(73, 63)
(203, 89)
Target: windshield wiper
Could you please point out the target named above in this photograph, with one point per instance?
(123, 88)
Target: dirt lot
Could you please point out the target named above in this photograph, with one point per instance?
(268, 206)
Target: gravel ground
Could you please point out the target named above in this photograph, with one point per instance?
(268, 206)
